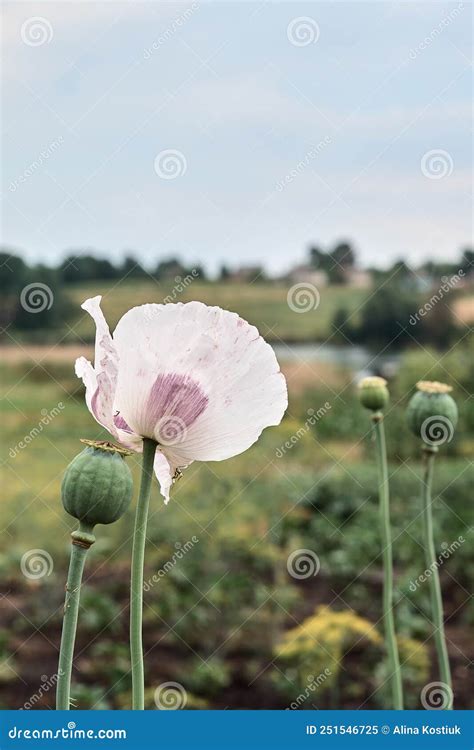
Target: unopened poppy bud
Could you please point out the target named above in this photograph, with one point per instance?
(97, 486)
(432, 413)
(373, 393)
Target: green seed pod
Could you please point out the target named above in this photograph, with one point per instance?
(97, 486)
(432, 413)
(373, 393)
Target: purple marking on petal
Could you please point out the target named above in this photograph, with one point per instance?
(121, 424)
(174, 403)
(94, 402)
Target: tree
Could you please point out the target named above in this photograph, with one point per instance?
(467, 261)
(385, 317)
(32, 298)
(169, 268)
(132, 269)
(79, 268)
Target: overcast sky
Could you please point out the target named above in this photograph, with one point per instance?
(289, 124)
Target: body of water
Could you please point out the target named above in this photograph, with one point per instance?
(358, 359)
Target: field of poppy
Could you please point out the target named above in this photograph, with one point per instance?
(263, 575)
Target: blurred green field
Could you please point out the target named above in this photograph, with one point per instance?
(262, 304)
(215, 620)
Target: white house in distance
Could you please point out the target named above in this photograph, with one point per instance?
(305, 273)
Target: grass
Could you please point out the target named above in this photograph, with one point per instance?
(231, 593)
(262, 304)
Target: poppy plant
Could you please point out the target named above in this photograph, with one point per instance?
(180, 383)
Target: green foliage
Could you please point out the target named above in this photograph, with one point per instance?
(310, 658)
(207, 678)
(31, 297)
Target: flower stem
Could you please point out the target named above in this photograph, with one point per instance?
(430, 561)
(81, 541)
(386, 539)
(136, 585)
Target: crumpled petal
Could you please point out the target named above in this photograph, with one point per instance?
(227, 360)
(100, 381)
(164, 473)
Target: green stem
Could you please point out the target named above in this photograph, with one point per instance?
(431, 564)
(388, 619)
(136, 585)
(81, 541)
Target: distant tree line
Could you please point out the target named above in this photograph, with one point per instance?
(391, 315)
(79, 268)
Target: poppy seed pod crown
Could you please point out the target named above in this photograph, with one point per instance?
(97, 486)
(432, 413)
(373, 393)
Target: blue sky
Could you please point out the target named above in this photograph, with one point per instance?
(294, 123)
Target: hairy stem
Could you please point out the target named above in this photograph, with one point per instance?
(386, 539)
(435, 588)
(136, 585)
(81, 541)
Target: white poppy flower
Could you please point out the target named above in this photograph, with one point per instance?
(199, 380)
